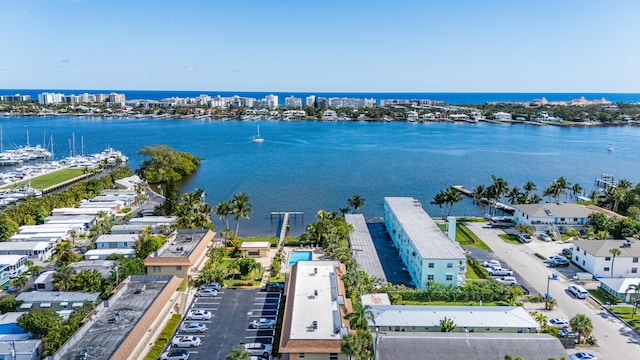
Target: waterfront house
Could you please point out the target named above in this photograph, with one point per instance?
(502, 116)
(329, 115)
(111, 241)
(545, 215)
(315, 334)
(133, 317)
(427, 253)
(595, 257)
(183, 254)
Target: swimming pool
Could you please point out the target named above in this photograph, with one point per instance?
(296, 256)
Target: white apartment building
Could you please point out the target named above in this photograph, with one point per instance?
(543, 214)
(595, 257)
(272, 101)
(425, 250)
(292, 102)
(50, 98)
(310, 100)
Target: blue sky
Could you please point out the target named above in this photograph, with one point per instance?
(289, 45)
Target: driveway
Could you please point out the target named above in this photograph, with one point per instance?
(233, 310)
(615, 340)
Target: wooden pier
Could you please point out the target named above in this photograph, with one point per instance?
(283, 229)
(605, 181)
(471, 194)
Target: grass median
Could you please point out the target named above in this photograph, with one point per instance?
(50, 179)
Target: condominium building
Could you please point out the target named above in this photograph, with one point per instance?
(310, 100)
(425, 250)
(272, 101)
(292, 102)
(315, 310)
(183, 254)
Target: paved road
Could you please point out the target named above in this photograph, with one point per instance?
(615, 340)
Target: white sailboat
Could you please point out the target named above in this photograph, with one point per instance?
(258, 139)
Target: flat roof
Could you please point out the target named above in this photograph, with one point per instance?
(19, 347)
(82, 211)
(180, 244)
(117, 238)
(56, 296)
(46, 227)
(423, 232)
(76, 219)
(255, 244)
(157, 220)
(109, 251)
(464, 346)
(111, 325)
(11, 259)
(462, 316)
(362, 248)
(553, 210)
(315, 288)
(375, 299)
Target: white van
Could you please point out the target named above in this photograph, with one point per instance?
(578, 291)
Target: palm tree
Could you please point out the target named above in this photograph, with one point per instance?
(64, 278)
(344, 210)
(239, 354)
(357, 345)
(447, 325)
(615, 252)
(594, 197)
(540, 318)
(356, 202)
(223, 210)
(582, 325)
(360, 317)
(496, 190)
(514, 195)
(576, 189)
(241, 208)
(20, 281)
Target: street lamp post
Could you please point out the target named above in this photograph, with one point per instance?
(546, 295)
(117, 277)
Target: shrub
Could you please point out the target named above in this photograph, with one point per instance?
(541, 256)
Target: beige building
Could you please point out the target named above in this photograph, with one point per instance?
(255, 249)
(122, 327)
(183, 255)
(314, 314)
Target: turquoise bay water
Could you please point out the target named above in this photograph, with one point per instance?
(307, 166)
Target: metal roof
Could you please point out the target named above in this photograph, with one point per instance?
(362, 248)
(553, 210)
(422, 231)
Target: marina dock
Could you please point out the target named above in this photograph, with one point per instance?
(471, 194)
(283, 227)
(605, 181)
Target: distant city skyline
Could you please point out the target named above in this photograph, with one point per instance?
(332, 46)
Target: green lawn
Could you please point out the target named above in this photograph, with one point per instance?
(453, 303)
(164, 337)
(466, 237)
(471, 274)
(510, 238)
(626, 314)
(54, 178)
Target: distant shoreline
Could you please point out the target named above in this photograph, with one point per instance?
(589, 124)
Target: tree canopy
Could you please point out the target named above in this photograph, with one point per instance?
(166, 164)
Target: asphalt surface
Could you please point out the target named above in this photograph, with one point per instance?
(391, 262)
(233, 311)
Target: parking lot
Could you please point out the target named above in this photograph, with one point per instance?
(233, 311)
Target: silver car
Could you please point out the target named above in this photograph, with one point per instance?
(193, 328)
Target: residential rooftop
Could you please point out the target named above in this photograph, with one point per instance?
(109, 238)
(463, 316)
(464, 346)
(362, 248)
(180, 244)
(553, 210)
(599, 248)
(422, 231)
(56, 296)
(113, 324)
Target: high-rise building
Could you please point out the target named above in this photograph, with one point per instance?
(292, 102)
(310, 100)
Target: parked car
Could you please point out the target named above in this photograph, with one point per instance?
(207, 292)
(263, 324)
(198, 315)
(544, 237)
(258, 349)
(274, 287)
(583, 356)
(498, 271)
(559, 263)
(175, 354)
(567, 251)
(186, 341)
(508, 280)
(491, 263)
(193, 328)
(566, 333)
(556, 257)
(558, 323)
(525, 238)
(214, 285)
